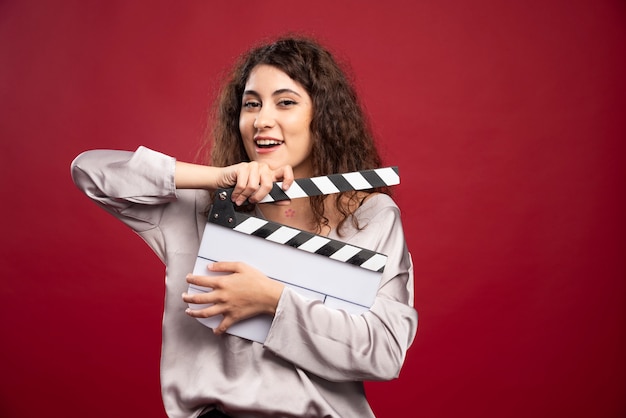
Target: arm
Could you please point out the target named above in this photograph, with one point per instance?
(137, 186)
(341, 347)
(123, 181)
(118, 180)
(251, 181)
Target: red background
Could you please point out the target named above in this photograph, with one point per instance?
(506, 119)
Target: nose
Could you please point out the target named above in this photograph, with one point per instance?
(264, 118)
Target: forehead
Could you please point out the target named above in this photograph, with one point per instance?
(270, 78)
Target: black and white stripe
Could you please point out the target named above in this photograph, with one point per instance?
(223, 213)
(335, 183)
(306, 241)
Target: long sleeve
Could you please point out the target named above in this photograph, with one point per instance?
(342, 347)
(133, 186)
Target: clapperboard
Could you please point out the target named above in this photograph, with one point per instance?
(339, 274)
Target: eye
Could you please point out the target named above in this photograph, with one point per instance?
(286, 102)
(251, 104)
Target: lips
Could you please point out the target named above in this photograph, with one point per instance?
(264, 143)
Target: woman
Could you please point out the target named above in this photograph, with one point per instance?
(286, 112)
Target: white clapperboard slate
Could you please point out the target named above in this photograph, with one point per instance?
(341, 275)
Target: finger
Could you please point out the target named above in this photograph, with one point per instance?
(247, 182)
(205, 312)
(266, 182)
(286, 174)
(225, 266)
(223, 326)
(251, 185)
(204, 298)
(240, 181)
(212, 282)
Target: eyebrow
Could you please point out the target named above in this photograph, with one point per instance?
(276, 93)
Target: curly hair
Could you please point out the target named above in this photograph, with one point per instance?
(342, 138)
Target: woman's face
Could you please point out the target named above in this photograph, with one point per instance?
(275, 120)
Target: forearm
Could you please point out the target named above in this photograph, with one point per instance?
(195, 176)
(250, 181)
(338, 346)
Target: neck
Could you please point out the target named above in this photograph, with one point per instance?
(297, 214)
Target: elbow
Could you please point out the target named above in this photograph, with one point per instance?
(79, 177)
(388, 371)
(87, 177)
(87, 174)
(391, 353)
(74, 167)
(389, 362)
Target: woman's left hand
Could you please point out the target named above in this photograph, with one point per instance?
(240, 293)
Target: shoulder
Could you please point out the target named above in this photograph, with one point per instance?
(375, 225)
(380, 200)
(377, 215)
(375, 205)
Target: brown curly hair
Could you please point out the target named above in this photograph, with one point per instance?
(342, 138)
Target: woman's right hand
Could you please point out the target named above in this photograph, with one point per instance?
(253, 181)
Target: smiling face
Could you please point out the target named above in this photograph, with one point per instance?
(275, 120)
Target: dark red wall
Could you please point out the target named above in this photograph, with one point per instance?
(507, 120)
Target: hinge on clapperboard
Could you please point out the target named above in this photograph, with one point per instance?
(223, 211)
(339, 274)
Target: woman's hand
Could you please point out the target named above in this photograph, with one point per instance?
(243, 293)
(251, 181)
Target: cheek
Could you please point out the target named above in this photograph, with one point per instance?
(299, 124)
(242, 125)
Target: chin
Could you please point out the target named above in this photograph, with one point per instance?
(271, 164)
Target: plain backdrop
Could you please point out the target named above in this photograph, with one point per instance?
(507, 120)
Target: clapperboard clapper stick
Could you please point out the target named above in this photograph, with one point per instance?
(340, 275)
